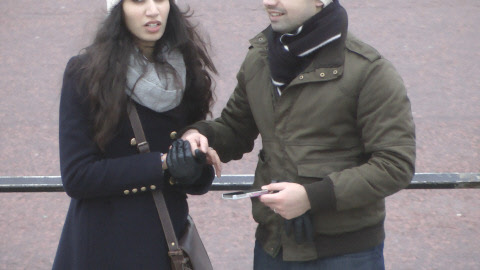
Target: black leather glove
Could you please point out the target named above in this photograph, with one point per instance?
(182, 165)
(301, 227)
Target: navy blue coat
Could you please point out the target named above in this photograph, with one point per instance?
(105, 227)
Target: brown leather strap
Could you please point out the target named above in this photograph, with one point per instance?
(175, 253)
(142, 144)
(162, 210)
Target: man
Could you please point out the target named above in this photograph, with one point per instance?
(337, 135)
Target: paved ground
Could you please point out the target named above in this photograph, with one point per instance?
(434, 44)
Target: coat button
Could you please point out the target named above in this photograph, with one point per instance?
(173, 135)
(260, 39)
(153, 187)
(335, 72)
(133, 142)
(322, 74)
(171, 181)
(134, 190)
(126, 192)
(301, 77)
(143, 189)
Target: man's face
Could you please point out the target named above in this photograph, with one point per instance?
(287, 15)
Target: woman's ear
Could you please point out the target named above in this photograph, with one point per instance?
(318, 4)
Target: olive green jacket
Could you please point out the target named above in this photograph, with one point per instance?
(343, 128)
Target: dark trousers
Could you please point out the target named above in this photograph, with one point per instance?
(366, 260)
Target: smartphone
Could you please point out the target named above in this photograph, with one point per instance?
(244, 194)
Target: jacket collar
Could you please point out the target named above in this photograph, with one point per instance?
(328, 62)
(332, 55)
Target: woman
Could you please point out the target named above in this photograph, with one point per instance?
(147, 52)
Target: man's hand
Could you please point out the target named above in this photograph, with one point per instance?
(290, 201)
(198, 141)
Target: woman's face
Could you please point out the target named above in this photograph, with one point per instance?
(146, 20)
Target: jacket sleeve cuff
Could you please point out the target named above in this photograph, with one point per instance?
(321, 195)
(203, 184)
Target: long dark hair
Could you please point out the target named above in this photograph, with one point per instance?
(107, 58)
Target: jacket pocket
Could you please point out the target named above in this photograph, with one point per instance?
(262, 172)
(337, 222)
(261, 213)
(315, 170)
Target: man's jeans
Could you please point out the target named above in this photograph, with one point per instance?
(366, 260)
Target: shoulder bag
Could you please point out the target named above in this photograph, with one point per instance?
(189, 253)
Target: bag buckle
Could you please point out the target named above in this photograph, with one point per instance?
(178, 258)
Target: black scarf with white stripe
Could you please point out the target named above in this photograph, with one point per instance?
(290, 53)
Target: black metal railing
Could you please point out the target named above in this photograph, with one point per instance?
(243, 182)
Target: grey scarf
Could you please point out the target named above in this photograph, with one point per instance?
(159, 89)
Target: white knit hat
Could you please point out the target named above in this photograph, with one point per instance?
(111, 4)
(326, 2)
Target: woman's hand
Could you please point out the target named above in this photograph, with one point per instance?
(182, 164)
